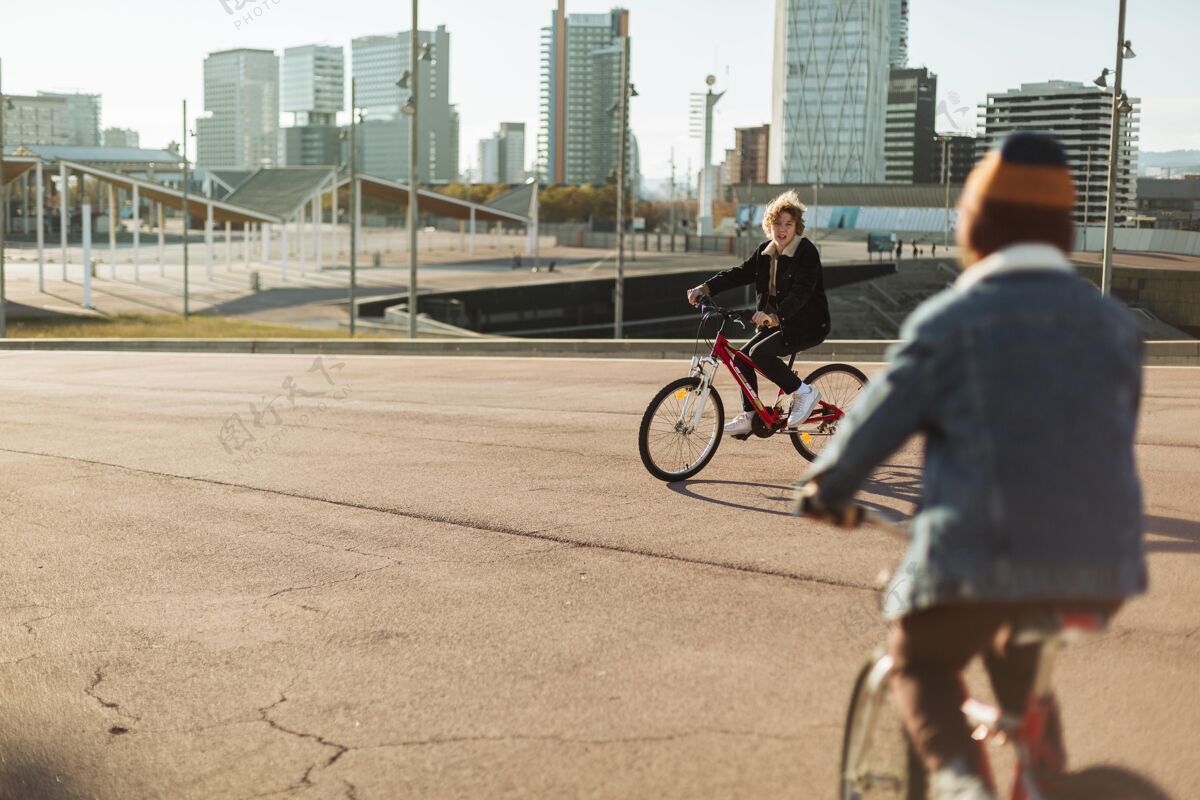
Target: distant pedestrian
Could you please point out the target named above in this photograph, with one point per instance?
(899, 249)
(551, 267)
(914, 248)
(933, 250)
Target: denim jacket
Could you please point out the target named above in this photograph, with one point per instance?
(1026, 384)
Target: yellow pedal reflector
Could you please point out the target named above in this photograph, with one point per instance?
(682, 393)
(806, 438)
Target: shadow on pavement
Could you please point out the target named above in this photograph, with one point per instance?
(897, 482)
(1185, 534)
(782, 494)
(1108, 783)
(23, 780)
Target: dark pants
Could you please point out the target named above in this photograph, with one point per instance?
(765, 349)
(930, 648)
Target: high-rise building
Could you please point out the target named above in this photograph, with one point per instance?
(578, 139)
(241, 98)
(502, 156)
(749, 155)
(121, 137)
(37, 119)
(489, 160)
(82, 117)
(377, 63)
(960, 150)
(908, 136)
(898, 33)
(830, 84)
(312, 91)
(1080, 117)
(512, 152)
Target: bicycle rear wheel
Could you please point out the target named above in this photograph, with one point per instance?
(839, 385)
(878, 761)
(674, 448)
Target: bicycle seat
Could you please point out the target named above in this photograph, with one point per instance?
(1067, 623)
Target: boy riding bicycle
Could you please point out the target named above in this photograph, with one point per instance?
(792, 312)
(1027, 506)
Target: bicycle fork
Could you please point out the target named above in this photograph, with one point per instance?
(705, 369)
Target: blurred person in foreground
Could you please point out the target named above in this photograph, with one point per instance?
(1026, 383)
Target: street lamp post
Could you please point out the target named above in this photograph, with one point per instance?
(412, 179)
(185, 212)
(622, 122)
(946, 180)
(354, 210)
(1114, 157)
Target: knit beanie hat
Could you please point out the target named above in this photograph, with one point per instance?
(1027, 169)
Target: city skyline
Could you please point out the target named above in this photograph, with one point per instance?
(141, 84)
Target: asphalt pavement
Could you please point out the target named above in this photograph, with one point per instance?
(232, 576)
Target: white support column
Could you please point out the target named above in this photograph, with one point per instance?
(301, 243)
(471, 245)
(208, 228)
(357, 221)
(316, 231)
(265, 231)
(137, 235)
(333, 244)
(41, 226)
(113, 215)
(87, 255)
(283, 252)
(162, 239)
(25, 202)
(228, 245)
(64, 212)
(247, 235)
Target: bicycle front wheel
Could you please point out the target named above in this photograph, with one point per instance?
(680, 430)
(839, 385)
(878, 761)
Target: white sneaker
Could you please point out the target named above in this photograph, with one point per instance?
(956, 782)
(802, 404)
(738, 425)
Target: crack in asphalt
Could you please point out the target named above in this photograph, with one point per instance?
(470, 524)
(306, 778)
(90, 691)
(28, 624)
(77, 654)
(323, 584)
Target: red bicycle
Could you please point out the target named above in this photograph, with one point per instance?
(682, 426)
(878, 760)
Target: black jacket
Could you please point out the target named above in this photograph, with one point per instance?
(799, 291)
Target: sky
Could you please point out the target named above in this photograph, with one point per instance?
(144, 58)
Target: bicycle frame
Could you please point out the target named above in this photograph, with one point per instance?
(723, 352)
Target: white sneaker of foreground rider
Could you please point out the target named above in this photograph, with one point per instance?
(803, 402)
(955, 781)
(738, 425)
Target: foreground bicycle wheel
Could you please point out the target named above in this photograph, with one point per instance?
(840, 385)
(878, 761)
(672, 447)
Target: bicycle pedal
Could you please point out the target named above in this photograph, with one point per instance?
(741, 437)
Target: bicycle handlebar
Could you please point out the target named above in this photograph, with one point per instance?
(855, 515)
(707, 306)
